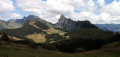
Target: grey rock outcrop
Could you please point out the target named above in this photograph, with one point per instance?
(66, 23)
(30, 17)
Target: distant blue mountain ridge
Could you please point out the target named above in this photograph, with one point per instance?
(109, 27)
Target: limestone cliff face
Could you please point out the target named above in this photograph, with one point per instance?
(69, 24)
(66, 23)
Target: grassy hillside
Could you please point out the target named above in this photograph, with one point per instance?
(37, 30)
(37, 38)
(19, 50)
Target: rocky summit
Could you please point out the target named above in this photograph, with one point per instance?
(66, 23)
(30, 17)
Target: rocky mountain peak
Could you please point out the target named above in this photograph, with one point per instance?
(69, 24)
(62, 17)
(31, 17)
(66, 23)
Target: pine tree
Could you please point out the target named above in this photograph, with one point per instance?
(5, 37)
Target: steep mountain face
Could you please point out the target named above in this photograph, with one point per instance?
(110, 27)
(66, 23)
(69, 24)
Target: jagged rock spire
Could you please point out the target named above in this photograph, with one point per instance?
(66, 23)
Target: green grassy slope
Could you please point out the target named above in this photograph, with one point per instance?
(37, 30)
(15, 50)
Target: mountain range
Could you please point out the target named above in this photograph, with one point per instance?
(63, 35)
(16, 23)
(63, 22)
(40, 31)
(109, 27)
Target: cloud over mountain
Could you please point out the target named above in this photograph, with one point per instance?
(97, 11)
(6, 6)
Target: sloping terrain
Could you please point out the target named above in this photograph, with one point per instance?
(16, 23)
(19, 50)
(65, 36)
(41, 31)
(37, 30)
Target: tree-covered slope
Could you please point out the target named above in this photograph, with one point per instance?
(85, 35)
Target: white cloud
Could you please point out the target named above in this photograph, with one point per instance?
(107, 13)
(86, 15)
(110, 12)
(90, 10)
(91, 6)
(47, 10)
(6, 6)
(94, 10)
(14, 15)
(51, 9)
(113, 8)
(36, 6)
(101, 3)
(97, 18)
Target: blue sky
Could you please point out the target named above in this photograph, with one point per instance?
(108, 1)
(96, 11)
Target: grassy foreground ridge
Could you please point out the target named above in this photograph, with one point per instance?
(15, 50)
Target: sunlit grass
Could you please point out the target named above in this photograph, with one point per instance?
(53, 31)
(37, 38)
